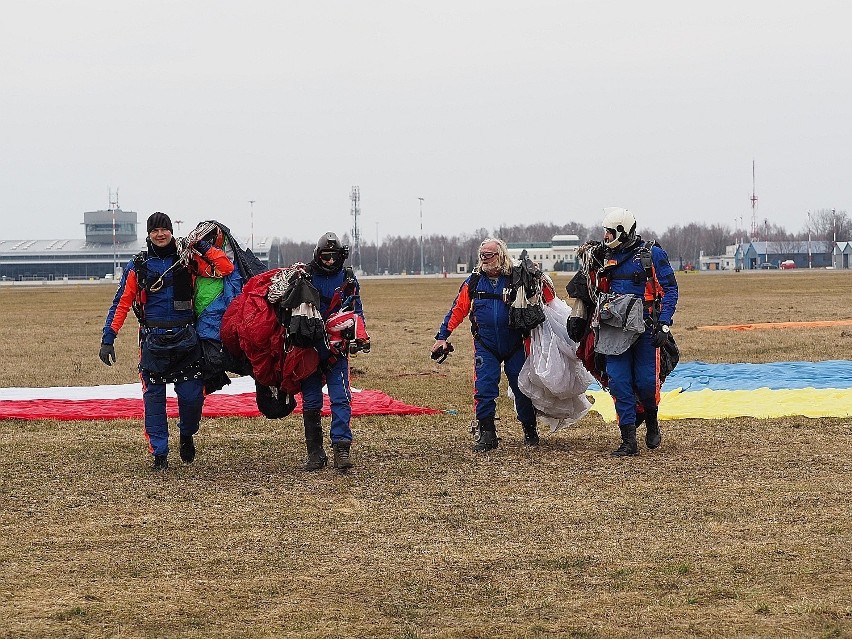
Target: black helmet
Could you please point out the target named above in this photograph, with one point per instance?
(330, 245)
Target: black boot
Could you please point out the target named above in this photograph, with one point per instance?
(342, 459)
(187, 449)
(313, 440)
(161, 462)
(653, 436)
(530, 435)
(487, 439)
(628, 446)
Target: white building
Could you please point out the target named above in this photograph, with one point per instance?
(559, 254)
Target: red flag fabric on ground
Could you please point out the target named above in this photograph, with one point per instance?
(124, 401)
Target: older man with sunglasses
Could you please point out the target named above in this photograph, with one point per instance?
(484, 297)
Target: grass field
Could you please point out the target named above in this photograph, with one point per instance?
(735, 528)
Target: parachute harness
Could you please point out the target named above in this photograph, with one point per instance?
(186, 252)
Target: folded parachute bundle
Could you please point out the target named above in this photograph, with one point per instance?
(526, 311)
(553, 377)
(297, 302)
(220, 236)
(271, 326)
(214, 294)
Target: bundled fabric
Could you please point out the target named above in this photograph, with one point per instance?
(272, 403)
(213, 295)
(553, 377)
(526, 312)
(270, 326)
(291, 290)
(618, 323)
(669, 357)
(251, 331)
(584, 288)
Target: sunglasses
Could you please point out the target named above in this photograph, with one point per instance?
(486, 255)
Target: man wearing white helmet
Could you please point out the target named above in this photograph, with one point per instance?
(641, 269)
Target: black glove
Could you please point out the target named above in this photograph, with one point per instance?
(107, 353)
(660, 336)
(442, 353)
(359, 346)
(577, 328)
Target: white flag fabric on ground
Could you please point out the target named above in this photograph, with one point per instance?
(124, 401)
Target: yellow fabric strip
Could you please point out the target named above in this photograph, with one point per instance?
(762, 403)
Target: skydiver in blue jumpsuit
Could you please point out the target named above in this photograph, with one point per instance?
(634, 374)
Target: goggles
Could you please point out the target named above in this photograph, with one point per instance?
(328, 256)
(487, 255)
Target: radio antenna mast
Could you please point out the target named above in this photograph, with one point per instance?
(113, 207)
(753, 199)
(355, 196)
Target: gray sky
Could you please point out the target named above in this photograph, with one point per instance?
(494, 112)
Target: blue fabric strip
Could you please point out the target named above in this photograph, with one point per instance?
(693, 376)
(696, 376)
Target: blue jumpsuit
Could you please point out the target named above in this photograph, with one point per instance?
(635, 373)
(494, 344)
(163, 315)
(336, 376)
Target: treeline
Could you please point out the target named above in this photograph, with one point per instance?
(401, 254)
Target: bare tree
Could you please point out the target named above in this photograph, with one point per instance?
(828, 224)
(684, 244)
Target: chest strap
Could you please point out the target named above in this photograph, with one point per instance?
(171, 324)
(639, 277)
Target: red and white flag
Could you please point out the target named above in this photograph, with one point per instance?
(124, 401)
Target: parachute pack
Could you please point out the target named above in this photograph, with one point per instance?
(213, 294)
(274, 327)
(589, 282)
(245, 261)
(524, 296)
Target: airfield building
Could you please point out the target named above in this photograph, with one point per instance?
(559, 254)
(784, 254)
(109, 243)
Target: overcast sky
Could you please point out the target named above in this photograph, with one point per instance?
(493, 112)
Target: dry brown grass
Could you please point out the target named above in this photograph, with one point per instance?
(736, 528)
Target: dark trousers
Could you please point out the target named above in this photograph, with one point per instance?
(190, 394)
(486, 382)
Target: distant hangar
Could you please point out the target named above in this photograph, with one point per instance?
(97, 256)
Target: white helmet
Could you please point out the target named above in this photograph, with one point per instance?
(622, 223)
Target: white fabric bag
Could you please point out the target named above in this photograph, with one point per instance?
(553, 377)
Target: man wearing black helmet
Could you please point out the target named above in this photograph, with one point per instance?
(340, 307)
